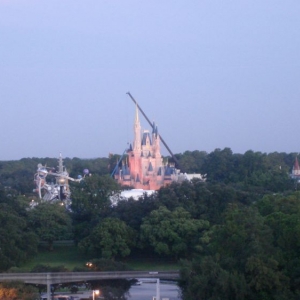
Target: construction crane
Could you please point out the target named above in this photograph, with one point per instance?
(162, 140)
(118, 162)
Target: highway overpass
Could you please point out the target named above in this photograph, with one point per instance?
(63, 277)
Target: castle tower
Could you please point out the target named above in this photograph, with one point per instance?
(134, 155)
(296, 170)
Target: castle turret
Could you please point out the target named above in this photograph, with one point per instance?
(296, 170)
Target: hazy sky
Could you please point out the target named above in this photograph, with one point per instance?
(211, 74)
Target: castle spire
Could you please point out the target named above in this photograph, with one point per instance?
(296, 168)
(137, 131)
(137, 119)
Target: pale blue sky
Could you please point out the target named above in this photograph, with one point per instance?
(212, 74)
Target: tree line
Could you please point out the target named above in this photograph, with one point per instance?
(236, 235)
(265, 171)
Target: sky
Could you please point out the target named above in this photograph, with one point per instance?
(211, 74)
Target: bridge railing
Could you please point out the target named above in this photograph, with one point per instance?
(63, 277)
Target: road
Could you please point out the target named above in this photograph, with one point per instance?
(146, 291)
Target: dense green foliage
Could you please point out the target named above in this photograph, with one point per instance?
(109, 239)
(91, 203)
(266, 172)
(50, 222)
(237, 234)
(172, 233)
(17, 241)
(249, 255)
(258, 169)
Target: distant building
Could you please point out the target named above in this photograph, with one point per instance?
(144, 168)
(296, 170)
(135, 194)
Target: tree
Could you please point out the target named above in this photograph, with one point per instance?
(18, 242)
(218, 165)
(264, 276)
(17, 290)
(204, 278)
(191, 161)
(91, 202)
(243, 234)
(111, 238)
(240, 261)
(172, 233)
(286, 231)
(132, 212)
(92, 196)
(51, 222)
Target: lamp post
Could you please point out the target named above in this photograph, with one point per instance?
(95, 292)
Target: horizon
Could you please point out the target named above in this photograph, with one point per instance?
(163, 156)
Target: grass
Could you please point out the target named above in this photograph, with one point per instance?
(152, 265)
(69, 257)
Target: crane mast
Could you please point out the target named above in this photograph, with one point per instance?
(162, 140)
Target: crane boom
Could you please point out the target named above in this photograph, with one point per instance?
(162, 140)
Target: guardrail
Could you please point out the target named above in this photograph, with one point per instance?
(63, 277)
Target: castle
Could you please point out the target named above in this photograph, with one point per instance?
(144, 167)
